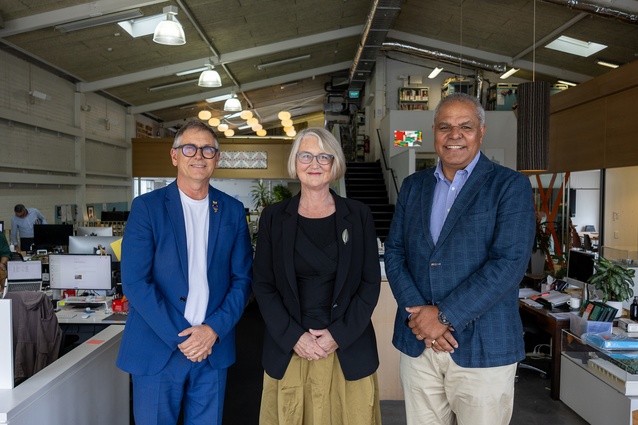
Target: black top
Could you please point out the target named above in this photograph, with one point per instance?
(316, 256)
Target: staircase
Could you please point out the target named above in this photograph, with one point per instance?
(365, 183)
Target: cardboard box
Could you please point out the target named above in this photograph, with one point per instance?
(579, 326)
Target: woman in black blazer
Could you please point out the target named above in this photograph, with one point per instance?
(317, 280)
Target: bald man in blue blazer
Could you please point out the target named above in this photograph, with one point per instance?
(186, 270)
(459, 245)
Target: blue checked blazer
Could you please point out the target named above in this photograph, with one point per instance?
(473, 272)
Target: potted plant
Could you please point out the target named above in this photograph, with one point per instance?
(540, 249)
(261, 195)
(280, 192)
(613, 280)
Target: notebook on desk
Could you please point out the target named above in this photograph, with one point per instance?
(553, 298)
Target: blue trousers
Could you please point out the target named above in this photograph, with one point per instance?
(197, 388)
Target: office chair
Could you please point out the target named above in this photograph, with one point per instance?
(36, 333)
(587, 244)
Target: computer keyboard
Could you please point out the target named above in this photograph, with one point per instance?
(532, 303)
(66, 314)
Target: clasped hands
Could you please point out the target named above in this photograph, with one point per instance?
(199, 343)
(425, 325)
(315, 344)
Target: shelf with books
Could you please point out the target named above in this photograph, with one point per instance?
(414, 98)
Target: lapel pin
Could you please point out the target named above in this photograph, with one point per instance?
(215, 206)
(345, 236)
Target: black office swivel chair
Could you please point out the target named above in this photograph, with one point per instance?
(587, 244)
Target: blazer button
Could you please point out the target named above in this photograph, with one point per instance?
(435, 264)
(335, 306)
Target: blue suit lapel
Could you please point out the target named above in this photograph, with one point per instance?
(176, 215)
(468, 195)
(215, 215)
(427, 197)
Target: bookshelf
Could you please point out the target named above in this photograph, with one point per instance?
(414, 98)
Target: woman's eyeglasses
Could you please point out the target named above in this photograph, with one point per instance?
(322, 158)
(190, 151)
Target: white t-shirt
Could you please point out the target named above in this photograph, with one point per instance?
(196, 215)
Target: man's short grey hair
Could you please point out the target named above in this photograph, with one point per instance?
(462, 97)
(197, 126)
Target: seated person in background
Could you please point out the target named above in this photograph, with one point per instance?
(23, 223)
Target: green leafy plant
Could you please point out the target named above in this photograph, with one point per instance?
(542, 238)
(280, 192)
(261, 195)
(615, 281)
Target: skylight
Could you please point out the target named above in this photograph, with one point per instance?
(575, 46)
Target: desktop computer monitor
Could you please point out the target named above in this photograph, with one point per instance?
(94, 231)
(80, 272)
(580, 265)
(50, 236)
(92, 244)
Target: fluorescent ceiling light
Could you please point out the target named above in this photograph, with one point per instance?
(569, 83)
(436, 71)
(217, 98)
(282, 62)
(509, 73)
(191, 71)
(99, 20)
(142, 26)
(575, 46)
(171, 85)
(607, 64)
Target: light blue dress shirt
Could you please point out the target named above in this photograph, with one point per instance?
(24, 225)
(445, 194)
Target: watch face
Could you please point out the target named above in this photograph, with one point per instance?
(443, 319)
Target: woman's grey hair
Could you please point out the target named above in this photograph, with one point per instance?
(197, 126)
(327, 142)
(462, 97)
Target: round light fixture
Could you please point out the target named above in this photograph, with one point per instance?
(261, 133)
(209, 78)
(252, 121)
(214, 122)
(222, 127)
(169, 32)
(246, 115)
(291, 133)
(284, 115)
(229, 133)
(286, 122)
(204, 115)
(257, 127)
(289, 128)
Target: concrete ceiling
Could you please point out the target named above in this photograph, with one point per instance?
(238, 35)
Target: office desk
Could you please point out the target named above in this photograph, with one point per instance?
(85, 329)
(554, 328)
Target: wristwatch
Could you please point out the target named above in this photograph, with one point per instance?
(443, 319)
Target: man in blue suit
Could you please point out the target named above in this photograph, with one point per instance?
(459, 245)
(186, 270)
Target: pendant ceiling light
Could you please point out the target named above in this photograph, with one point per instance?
(170, 31)
(233, 104)
(210, 77)
(532, 127)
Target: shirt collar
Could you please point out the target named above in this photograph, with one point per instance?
(438, 173)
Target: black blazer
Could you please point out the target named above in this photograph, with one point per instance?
(356, 289)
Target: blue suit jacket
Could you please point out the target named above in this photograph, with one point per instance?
(155, 278)
(473, 272)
